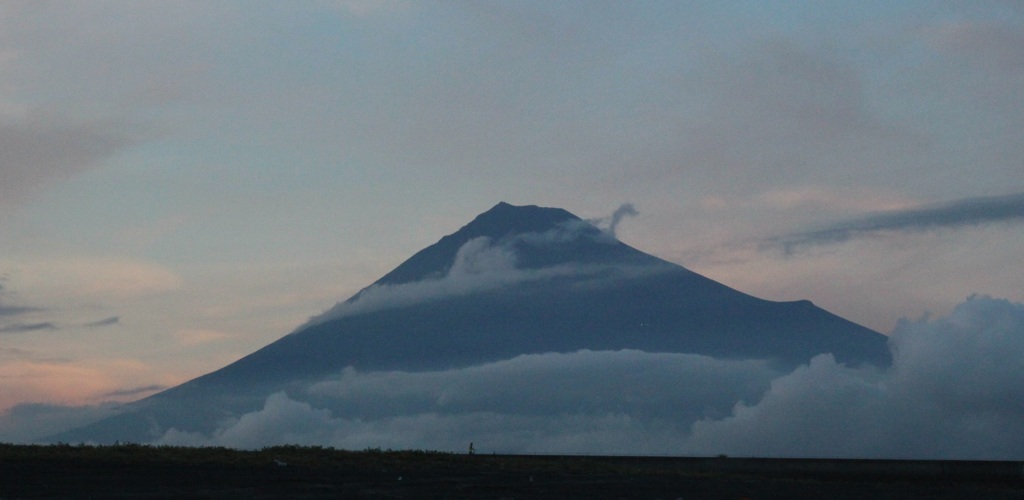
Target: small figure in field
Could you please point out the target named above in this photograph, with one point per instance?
(472, 451)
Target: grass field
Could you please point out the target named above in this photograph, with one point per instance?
(137, 471)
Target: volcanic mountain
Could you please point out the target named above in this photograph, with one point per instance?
(516, 280)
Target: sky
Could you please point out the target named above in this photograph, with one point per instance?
(183, 182)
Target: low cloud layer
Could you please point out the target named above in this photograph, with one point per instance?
(954, 214)
(955, 390)
(531, 403)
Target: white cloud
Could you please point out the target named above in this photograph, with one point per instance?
(823, 409)
(955, 390)
(478, 256)
(478, 265)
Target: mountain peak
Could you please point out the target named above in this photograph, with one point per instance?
(502, 221)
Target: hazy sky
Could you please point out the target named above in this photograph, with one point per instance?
(184, 182)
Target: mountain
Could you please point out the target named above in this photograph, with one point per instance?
(516, 280)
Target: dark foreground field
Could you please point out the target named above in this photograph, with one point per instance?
(132, 471)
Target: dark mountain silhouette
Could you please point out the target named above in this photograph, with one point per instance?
(515, 280)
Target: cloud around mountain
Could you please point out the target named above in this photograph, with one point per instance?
(954, 390)
(531, 403)
(482, 263)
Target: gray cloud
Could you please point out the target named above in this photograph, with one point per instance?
(955, 390)
(19, 327)
(13, 311)
(9, 310)
(6, 310)
(113, 320)
(40, 152)
(954, 214)
(28, 327)
(23, 327)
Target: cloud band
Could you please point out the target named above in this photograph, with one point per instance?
(954, 214)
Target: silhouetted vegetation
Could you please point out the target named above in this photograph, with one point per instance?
(143, 471)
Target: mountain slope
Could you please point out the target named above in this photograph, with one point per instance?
(515, 280)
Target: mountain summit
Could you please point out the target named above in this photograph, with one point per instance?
(516, 280)
(504, 223)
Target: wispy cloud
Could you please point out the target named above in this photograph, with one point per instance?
(15, 326)
(113, 320)
(14, 353)
(611, 222)
(10, 310)
(954, 214)
(6, 310)
(41, 152)
(28, 327)
(133, 391)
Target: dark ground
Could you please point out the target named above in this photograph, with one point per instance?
(131, 471)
